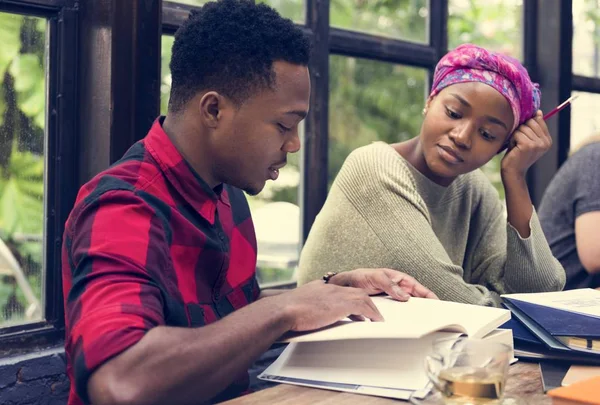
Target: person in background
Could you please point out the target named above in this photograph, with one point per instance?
(570, 215)
(423, 207)
(161, 302)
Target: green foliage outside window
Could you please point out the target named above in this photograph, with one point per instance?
(293, 9)
(399, 19)
(22, 122)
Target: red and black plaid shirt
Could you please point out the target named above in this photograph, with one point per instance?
(149, 243)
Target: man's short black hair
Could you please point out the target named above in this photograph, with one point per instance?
(229, 46)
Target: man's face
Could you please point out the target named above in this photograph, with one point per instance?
(253, 140)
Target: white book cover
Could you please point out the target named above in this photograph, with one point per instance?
(383, 358)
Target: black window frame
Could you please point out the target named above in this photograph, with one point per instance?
(104, 93)
(328, 41)
(61, 158)
(540, 21)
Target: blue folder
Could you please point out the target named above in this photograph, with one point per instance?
(520, 333)
(558, 322)
(528, 346)
(536, 328)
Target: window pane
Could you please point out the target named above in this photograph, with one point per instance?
(191, 2)
(405, 20)
(370, 101)
(165, 72)
(493, 24)
(585, 120)
(276, 216)
(586, 35)
(275, 210)
(292, 9)
(492, 171)
(22, 123)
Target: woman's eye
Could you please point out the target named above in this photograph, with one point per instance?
(452, 114)
(486, 135)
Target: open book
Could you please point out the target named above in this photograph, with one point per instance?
(412, 319)
(383, 358)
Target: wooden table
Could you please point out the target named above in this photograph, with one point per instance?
(524, 382)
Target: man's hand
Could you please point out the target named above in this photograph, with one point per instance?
(376, 281)
(316, 304)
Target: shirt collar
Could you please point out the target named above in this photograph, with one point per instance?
(181, 175)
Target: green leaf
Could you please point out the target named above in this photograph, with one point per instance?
(28, 73)
(10, 29)
(26, 70)
(41, 25)
(22, 194)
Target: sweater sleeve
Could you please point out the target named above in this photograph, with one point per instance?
(504, 261)
(374, 217)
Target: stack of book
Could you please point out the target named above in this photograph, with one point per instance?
(562, 325)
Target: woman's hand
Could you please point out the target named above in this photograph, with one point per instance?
(528, 143)
(396, 284)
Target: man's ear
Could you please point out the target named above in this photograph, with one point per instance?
(210, 106)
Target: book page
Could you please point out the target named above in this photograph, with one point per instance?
(384, 367)
(412, 319)
(390, 363)
(584, 301)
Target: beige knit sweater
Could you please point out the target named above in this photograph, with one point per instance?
(382, 212)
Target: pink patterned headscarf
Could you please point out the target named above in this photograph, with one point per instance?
(470, 63)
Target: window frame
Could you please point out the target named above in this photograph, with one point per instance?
(73, 112)
(60, 184)
(328, 40)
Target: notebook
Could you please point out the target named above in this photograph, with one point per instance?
(564, 321)
(383, 358)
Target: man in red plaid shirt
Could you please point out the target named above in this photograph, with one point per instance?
(159, 254)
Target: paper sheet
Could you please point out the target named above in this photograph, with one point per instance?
(584, 301)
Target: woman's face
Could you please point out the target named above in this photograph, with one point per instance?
(465, 126)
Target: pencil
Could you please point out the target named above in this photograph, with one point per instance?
(560, 106)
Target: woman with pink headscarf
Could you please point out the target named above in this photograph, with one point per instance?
(422, 206)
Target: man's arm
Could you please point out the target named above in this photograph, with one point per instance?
(189, 366)
(587, 232)
(271, 292)
(119, 348)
